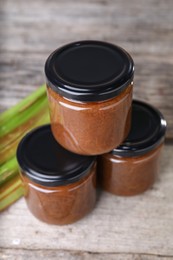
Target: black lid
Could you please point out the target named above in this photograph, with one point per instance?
(147, 131)
(89, 70)
(47, 163)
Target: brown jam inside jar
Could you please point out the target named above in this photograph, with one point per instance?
(132, 168)
(89, 87)
(60, 187)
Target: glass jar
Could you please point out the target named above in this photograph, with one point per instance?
(132, 168)
(89, 87)
(60, 187)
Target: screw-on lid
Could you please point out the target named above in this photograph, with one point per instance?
(89, 70)
(147, 131)
(47, 163)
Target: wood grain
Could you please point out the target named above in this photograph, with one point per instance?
(19, 254)
(128, 225)
(30, 32)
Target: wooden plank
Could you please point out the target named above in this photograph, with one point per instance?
(128, 225)
(19, 254)
(144, 29)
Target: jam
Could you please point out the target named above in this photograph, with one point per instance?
(89, 87)
(132, 167)
(60, 187)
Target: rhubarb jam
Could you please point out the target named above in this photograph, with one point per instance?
(60, 187)
(89, 87)
(132, 167)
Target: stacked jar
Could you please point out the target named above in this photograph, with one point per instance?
(89, 88)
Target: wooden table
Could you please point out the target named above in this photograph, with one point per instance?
(134, 228)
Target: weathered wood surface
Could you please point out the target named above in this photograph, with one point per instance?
(134, 225)
(11, 254)
(31, 30)
(137, 228)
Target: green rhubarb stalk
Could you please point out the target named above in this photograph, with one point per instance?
(10, 149)
(10, 187)
(8, 170)
(21, 118)
(9, 138)
(14, 124)
(11, 197)
(8, 135)
(22, 105)
(12, 137)
(10, 167)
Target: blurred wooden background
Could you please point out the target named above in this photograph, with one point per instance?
(119, 228)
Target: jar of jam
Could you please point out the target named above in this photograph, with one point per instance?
(60, 187)
(89, 87)
(132, 167)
